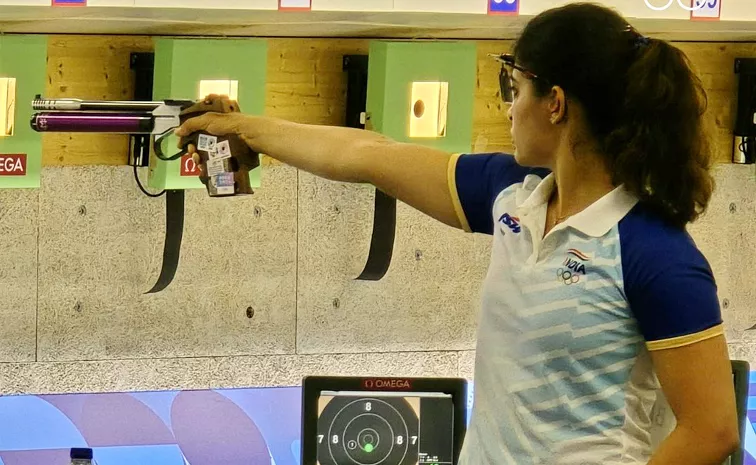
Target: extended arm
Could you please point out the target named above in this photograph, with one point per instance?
(413, 174)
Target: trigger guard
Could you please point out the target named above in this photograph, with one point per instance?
(158, 148)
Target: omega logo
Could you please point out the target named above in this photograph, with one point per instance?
(380, 383)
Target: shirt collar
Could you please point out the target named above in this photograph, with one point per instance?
(595, 220)
(541, 193)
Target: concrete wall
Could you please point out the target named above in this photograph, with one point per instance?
(80, 252)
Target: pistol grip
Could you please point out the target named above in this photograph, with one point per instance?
(241, 179)
(222, 169)
(226, 168)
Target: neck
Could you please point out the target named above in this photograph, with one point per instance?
(581, 179)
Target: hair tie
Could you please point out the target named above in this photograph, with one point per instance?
(641, 41)
(638, 39)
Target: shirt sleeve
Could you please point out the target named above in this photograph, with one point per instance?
(668, 283)
(475, 180)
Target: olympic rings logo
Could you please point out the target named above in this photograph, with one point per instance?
(697, 5)
(567, 276)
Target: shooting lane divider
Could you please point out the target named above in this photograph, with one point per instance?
(226, 176)
(382, 238)
(174, 233)
(193, 68)
(407, 98)
(384, 211)
(228, 169)
(174, 228)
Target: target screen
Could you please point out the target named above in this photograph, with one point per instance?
(386, 428)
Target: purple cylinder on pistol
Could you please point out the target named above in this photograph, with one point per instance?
(93, 122)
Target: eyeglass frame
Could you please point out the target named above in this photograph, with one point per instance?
(507, 59)
(505, 79)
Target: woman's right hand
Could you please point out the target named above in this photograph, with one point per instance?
(223, 118)
(414, 174)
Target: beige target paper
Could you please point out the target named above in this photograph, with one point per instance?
(428, 109)
(7, 106)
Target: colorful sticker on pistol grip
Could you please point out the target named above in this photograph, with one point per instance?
(207, 143)
(222, 184)
(217, 166)
(223, 150)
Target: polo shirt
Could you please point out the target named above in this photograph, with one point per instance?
(562, 370)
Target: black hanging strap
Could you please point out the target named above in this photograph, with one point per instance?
(384, 216)
(174, 231)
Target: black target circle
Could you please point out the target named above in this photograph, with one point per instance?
(365, 432)
(368, 431)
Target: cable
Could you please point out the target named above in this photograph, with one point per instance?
(748, 148)
(136, 174)
(141, 187)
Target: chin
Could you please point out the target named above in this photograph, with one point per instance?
(529, 161)
(520, 158)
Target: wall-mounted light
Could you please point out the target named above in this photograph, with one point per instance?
(428, 109)
(7, 106)
(219, 87)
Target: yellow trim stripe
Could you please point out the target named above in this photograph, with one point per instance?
(451, 178)
(686, 340)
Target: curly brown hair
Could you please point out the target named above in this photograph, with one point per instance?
(643, 102)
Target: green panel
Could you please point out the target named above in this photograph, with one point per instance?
(394, 66)
(24, 58)
(377, 90)
(180, 65)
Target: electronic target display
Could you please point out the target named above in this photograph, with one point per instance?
(383, 421)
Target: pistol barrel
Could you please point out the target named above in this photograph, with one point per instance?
(73, 104)
(112, 123)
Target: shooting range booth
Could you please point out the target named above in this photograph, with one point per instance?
(23, 72)
(419, 92)
(194, 68)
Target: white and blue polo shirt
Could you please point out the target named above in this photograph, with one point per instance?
(562, 371)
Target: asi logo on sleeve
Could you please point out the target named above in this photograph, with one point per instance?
(503, 7)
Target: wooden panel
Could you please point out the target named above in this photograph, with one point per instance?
(90, 67)
(715, 63)
(306, 84)
(491, 127)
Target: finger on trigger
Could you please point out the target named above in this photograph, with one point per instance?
(187, 127)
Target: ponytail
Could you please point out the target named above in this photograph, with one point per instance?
(660, 147)
(642, 102)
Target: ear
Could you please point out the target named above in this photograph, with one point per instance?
(557, 105)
